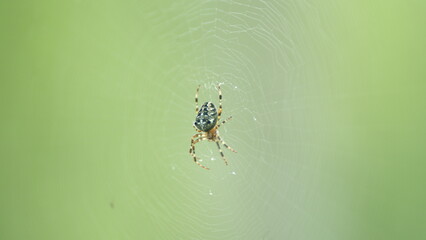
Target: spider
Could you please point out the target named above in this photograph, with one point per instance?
(206, 123)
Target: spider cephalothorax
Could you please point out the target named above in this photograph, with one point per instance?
(207, 123)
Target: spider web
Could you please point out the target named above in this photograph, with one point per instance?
(261, 55)
(99, 108)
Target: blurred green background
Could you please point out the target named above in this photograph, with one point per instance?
(328, 106)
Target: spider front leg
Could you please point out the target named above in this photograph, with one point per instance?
(224, 144)
(220, 139)
(192, 148)
(221, 153)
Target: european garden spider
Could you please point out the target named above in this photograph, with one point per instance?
(207, 123)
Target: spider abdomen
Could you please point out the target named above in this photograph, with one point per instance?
(206, 117)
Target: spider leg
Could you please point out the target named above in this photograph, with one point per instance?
(224, 144)
(221, 153)
(219, 113)
(196, 99)
(192, 148)
(224, 121)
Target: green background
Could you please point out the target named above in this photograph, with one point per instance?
(328, 106)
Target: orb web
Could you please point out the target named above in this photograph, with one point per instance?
(258, 54)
